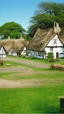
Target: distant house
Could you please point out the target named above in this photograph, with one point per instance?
(23, 53)
(14, 47)
(45, 41)
(2, 52)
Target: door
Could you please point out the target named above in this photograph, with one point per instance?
(57, 55)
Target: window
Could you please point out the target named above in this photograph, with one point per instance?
(54, 41)
(51, 49)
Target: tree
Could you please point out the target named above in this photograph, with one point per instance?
(56, 9)
(46, 15)
(11, 29)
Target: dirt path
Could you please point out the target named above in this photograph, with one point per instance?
(20, 69)
(24, 70)
(18, 84)
(30, 63)
(29, 83)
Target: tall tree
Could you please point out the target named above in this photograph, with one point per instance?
(46, 15)
(11, 29)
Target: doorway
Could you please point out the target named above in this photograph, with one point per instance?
(57, 55)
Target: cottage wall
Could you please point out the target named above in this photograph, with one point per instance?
(23, 53)
(2, 53)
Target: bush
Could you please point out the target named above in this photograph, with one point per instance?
(1, 62)
(50, 57)
(52, 67)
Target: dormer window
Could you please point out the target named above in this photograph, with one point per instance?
(54, 41)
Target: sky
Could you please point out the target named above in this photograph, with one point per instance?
(19, 11)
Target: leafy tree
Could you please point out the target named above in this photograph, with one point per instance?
(11, 29)
(51, 8)
(45, 16)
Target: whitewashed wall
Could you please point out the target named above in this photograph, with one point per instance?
(2, 53)
(23, 53)
(14, 54)
(57, 46)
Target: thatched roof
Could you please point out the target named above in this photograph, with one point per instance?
(15, 44)
(42, 37)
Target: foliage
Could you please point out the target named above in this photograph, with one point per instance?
(50, 57)
(11, 29)
(1, 62)
(27, 37)
(46, 15)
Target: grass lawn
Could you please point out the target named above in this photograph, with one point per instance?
(31, 59)
(7, 63)
(31, 100)
(47, 74)
(11, 63)
(43, 99)
(59, 61)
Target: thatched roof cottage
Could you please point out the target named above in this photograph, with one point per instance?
(14, 46)
(48, 40)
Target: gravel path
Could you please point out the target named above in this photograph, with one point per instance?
(29, 83)
(15, 69)
(18, 84)
(30, 63)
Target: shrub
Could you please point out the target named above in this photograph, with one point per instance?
(1, 62)
(50, 57)
(52, 66)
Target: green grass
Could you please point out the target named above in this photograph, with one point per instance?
(20, 64)
(43, 99)
(10, 63)
(31, 59)
(49, 74)
(31, 100)
(59, 61)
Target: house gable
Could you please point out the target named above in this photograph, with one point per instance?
(55, 42)
(55, 46)
(2, 52)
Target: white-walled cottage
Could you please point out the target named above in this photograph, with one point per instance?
(14, 47)
(2, 52)
(45, 41)
(55, 46)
